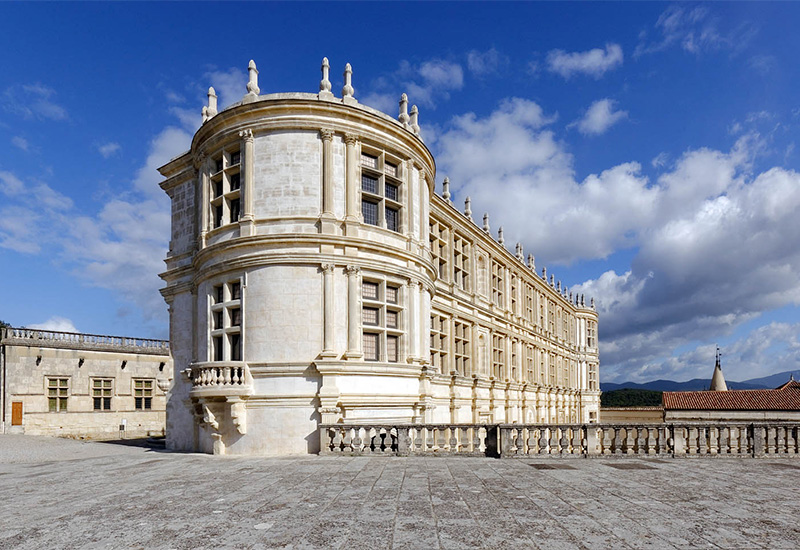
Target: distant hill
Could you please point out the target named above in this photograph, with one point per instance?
(698, 384)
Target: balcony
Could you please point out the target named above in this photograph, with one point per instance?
(221, 379)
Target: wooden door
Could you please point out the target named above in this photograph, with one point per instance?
(16, 413)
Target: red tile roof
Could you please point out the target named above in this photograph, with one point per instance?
(784, 398)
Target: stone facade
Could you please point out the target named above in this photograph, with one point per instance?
(315, 277)
(82, 385)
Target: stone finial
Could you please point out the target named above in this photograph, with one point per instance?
(552, 280)
(347, 89)
(500, 238)
(520, 255)
(591, 304)
(446, 189)
(211, 110)
(252, 86)
(325, 83)
(544, 273)
(558, 287)
(570, 296)
(486, 222)
(414, 120)
(583, 300)
(403, 116)
(468, 208)
(532, 263)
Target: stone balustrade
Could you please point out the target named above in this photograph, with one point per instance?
(89, 342)
(221, 379)
(578, 440)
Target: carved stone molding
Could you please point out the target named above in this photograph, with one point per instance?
(326, 134)
(246, 135)
(351, 139)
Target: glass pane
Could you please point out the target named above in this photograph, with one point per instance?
(107, 403)
(147, 402)
(137, 384)
(52, 382)
(62, 404)
(390, 169)
(391, 192)
(62, 382)
(219, 294)
(369, 184)
(236, 291)
(235, 158)
(391, 219)
(369, 316)
(235, 182)
(236, 351)
(391, 319)
(391, 294)
(52, 404)
(217, 189)
(370, 212)
(138, 401)
(106, 383)
(369, 290)
(369, 161)
(370, 343)
(97, 403)
(217, 319)
(236, 317)
(96, 392)
(137, 392)
(391, 348)
(235, 210)
(218, 165)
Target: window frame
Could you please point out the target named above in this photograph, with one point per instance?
(61, 394)
(102, 401)
(387, 339)
(224, 196)
(143, 401)
(226, 303)
(382, 168)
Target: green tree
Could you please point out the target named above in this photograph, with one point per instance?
(629, 397)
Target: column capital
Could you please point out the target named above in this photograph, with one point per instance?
(351, 139)
(352, 269)
(246, 135)
(327, 268)
(326, 134)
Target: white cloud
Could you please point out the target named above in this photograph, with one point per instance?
(660, 160)
(230, 85)
(426, 85)
(109, 149)
(486, 63)
(58, 324)
(695, 30)
(715, 244)
(595, 62)
(168, 144)
(599, 117)
(20, 143)
(33, 101)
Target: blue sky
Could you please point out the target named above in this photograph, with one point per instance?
(646, 153)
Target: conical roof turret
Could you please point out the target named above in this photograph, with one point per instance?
(718, 380)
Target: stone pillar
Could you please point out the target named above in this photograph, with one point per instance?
(351, 183)
(203, 200)
(329, 314)
(327, 172)
(246, 226)
(414, 320)
(353, 313)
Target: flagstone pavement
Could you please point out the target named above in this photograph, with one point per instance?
(68, 494)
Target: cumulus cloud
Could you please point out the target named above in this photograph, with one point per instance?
(595, 62)
(20, 143)
(426, 84)
(109, 149)
(485, 63)
(169, 143)
(59, 324)
(715, 244)
(230, 85)
(33, 101)
(599, 117)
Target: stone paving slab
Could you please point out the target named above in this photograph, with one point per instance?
(89, 495)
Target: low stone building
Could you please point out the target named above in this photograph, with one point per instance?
(82, 385)
(781, 404)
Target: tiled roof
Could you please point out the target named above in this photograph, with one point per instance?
(784, 398)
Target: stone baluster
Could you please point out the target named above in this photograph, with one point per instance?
(641, 440)
(607, 439)
(577, 440)
(781, 440)
(453, 440)
(563, 443)
(713, 441)
(618, 441)
(554, 437)
(629, 441)
(724, 437)
(533, 436)
(651, 440)
(543, 440)
(771, 439)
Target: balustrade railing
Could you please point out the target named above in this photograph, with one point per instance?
(76, 340)
(577, 440)
(220, 379)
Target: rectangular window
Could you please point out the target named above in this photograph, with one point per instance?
(218, 165)
(226, 182)
(143, 394)
(235, 210)
(381, 321)
(217, 216)
(529, 304)
(236, 182)
(498, 356)
(591, 334)
(439, 325)
(438, 236)
(461, 347)
(235, 158)
(102, 391)
(461, 262)
(226, 322)
(514, 288)
(530, 354)
(218, 189)
(370, 212)
(390, 170)
(498, 284)
(57, 394)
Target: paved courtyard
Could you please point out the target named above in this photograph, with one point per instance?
(88, 495)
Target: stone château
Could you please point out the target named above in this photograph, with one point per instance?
(315, 277)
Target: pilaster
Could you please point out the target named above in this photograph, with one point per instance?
(329, 313)
(353, 313)
(246, 223)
